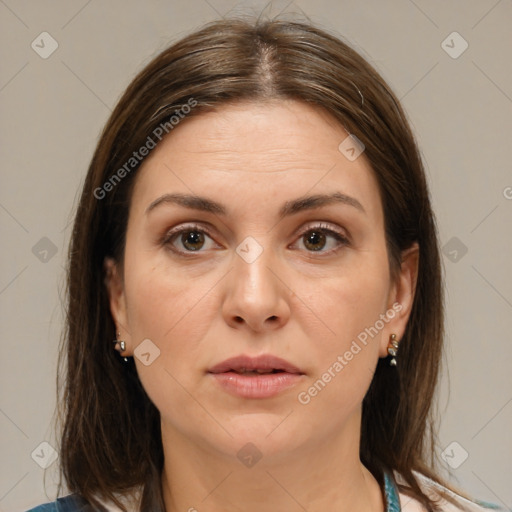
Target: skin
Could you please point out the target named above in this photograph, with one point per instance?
(302, 305)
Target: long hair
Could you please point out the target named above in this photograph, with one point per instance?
(111, 439)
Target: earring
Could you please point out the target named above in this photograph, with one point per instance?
(393, 349)
(122, 346)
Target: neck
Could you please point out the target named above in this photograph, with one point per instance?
(322, 476)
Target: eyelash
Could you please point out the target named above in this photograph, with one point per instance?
(170, 236)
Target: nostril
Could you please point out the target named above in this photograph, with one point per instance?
(239, 319)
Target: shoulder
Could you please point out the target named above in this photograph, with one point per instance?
(73, 503)
(436, 491)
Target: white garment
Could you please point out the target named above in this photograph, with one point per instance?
(432, 489)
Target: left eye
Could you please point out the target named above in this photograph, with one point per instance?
(322, 239)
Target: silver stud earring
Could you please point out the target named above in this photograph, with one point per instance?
(393, 349)
(122, 346)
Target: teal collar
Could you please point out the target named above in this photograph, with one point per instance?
(391, 493)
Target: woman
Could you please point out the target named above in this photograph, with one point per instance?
(256, 236)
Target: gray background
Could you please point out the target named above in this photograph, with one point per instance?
(53, 110)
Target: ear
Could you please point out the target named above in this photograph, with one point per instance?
(401, 297)
(115, 290)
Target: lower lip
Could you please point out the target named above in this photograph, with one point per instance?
(257, 386)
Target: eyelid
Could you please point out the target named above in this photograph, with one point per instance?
(192, 226)
(328, 228)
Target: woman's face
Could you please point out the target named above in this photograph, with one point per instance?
(251, 233)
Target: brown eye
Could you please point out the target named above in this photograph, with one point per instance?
(187, 239)
(322, 239)
(314, 240)
(192, 240)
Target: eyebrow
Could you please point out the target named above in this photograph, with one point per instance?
(204, 204)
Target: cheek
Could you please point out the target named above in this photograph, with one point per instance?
(175, 313)
(344, 361)
(353, 298)
(346, 347)
(354, 303)
(168, 307)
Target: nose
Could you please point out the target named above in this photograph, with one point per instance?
(257, 298)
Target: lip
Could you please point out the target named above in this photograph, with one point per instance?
(262, 362)
(264, 385)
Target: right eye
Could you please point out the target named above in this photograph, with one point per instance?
(188, 239)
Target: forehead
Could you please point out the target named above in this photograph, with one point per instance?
(252, 148)
(279, 128)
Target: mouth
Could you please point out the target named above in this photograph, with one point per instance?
(260, 365)
(260, 377)
(257, 371)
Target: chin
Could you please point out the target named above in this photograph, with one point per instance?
(271, 434)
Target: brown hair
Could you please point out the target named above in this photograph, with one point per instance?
(111, 439)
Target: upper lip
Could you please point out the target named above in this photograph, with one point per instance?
(262, 362)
